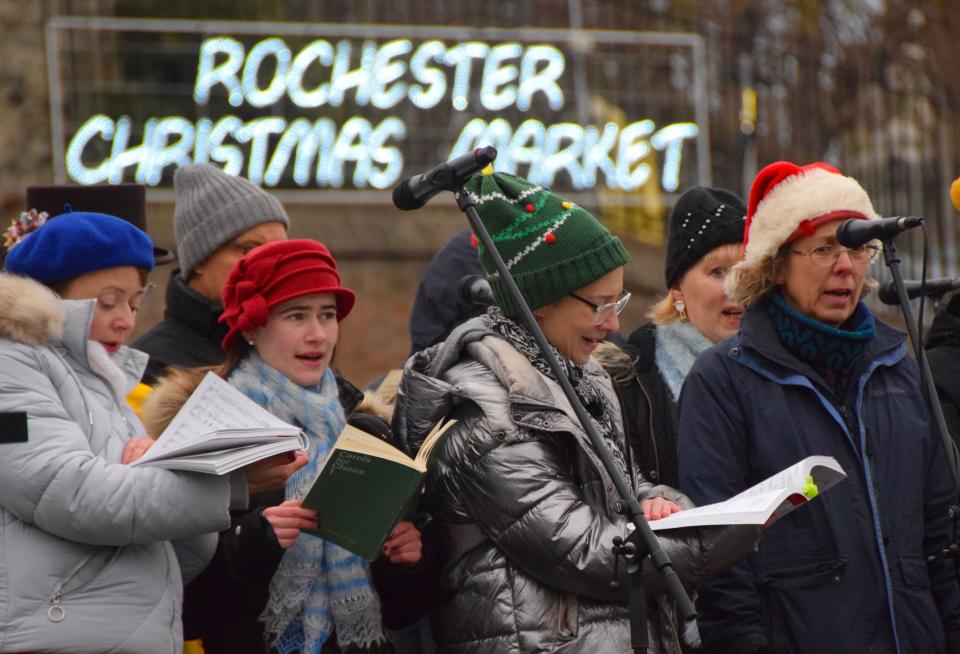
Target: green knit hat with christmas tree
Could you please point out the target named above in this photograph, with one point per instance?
(551, 246)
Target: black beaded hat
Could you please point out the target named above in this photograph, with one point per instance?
(701, 220)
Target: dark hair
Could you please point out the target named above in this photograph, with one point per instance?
(60, 287)
(235, 355)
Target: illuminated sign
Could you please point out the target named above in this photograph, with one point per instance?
(291, 107)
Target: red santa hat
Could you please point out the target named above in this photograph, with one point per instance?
(788, 202)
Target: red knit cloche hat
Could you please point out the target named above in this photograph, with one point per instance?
(276, 272)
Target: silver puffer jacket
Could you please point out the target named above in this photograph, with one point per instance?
(529, 509)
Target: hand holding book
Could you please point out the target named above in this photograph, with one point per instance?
(365, 487)
(766, 502)
(219, 429)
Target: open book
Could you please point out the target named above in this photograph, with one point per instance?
(766, 502)
(365, 487)
(219, 429)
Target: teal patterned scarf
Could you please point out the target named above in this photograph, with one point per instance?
(319, 587)
(819, 344)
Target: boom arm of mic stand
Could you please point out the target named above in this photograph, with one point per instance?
(659, 558)
(892, 260)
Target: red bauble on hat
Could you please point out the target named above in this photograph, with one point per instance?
(274, 273)
(788, 202)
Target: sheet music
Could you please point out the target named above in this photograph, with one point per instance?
(214, 406)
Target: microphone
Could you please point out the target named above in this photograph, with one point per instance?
(856, 232)
(416, 191)
(933, 288)
(475, 289)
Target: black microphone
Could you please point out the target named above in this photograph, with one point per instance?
(416, 191)
(475, 289)
(933, 288)
(856, 232)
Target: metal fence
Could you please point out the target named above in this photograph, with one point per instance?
(869, 87)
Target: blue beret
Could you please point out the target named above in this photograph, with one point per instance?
(76, 243)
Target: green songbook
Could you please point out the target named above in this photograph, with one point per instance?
(365, 487)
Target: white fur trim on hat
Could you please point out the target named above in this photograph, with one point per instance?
(811, 193)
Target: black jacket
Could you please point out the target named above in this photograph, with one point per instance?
(188, 336)
(943, 352)
(649, 410)
(834, 575)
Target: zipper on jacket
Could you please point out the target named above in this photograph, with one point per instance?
(56, 612)
(628, 431)
(653, 438)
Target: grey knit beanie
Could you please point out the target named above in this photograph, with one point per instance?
(213, 208)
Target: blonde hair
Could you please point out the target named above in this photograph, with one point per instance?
(663, 312)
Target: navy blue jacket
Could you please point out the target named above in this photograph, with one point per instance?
(836, 574)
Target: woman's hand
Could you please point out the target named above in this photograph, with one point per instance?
(288, 519)
(404, 547)
(658, 507)
(136, 447)
(272, 473)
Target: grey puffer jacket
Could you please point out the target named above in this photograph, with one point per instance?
(529, 509)
(86, 562)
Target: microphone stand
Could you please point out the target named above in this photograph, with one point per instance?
(892, 259)
(639, 543)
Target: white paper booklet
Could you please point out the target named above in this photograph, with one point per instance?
(218, 430)
(766, 502)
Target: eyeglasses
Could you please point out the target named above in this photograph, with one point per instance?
(605, 311)
(827, 255)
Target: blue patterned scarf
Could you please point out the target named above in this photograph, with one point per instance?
(319, 587)
(817, 343)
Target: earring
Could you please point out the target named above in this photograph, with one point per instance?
(681, 308)
(250, 342)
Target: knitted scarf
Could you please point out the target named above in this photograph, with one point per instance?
(319, 587)
(593, 399)
(678, 344)
(819, 344)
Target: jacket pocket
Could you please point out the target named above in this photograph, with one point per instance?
(914, 572)
(801, 596)
(85, 572)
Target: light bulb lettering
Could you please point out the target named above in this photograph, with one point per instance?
(318, 51)
(461, 58)
(97, 126)
(386, 91)
(633, 148)
(435, 78)
(268, 48)
(496, 74)
(210, 73)
(670, 139)
(542, 80)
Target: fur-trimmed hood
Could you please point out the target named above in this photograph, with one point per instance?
(30, 313)
(618, 364)
(173, 389)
